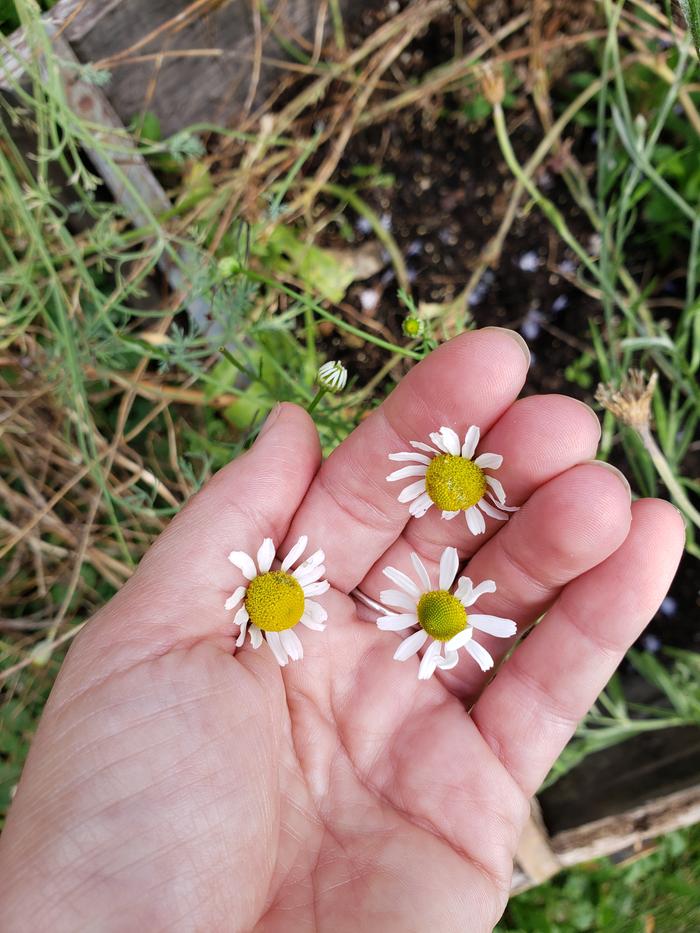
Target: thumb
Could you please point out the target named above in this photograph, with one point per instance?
(177, 594)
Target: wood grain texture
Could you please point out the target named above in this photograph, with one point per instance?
(620, 833)
(211, 83)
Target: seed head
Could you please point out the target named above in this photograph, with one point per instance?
(631, 403)
(493, 85)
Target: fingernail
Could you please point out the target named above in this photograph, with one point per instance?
(270, 420)
(516, 337)
(613, 469)
(683, 518)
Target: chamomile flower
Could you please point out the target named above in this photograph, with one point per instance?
(439, 615)
(450, 477)
(274, 601)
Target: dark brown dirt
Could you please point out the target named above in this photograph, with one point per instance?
(449, 193)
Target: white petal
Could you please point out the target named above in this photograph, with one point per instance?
(436, 438)
(489, 461)
(245, 564)
(497, 487)
(400, 579)
(266, 554)
(480, 655)
(316, 589)
(398, 598)
(241, 617)
(471, 439)
(449, 661)
(419, 567)
(292, 645)
(429, 661)
(487, 586)
(420, 506)
(235, 597)
(405, 472)
(491, 510)
(295, 553)
(397, 623)
(256, 638)
(465, 591)
(308, 620)
(313, 560)
(502, 505)
(241, 635)
(311, 575)
(450, 441)
(459, 640)
(449, 565)
(315, 610)
(494, 625)
(475, 521)
(412, 491)
(273, 640)
(410, 646)
(426, 447)
(449, 515)
(410, 455)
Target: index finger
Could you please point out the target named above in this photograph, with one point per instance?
(352, 509)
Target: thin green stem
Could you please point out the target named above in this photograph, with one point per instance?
(305, 301)
(241, 367)
(316, 399)
(666, 473)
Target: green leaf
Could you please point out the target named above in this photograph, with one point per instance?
(324, 272)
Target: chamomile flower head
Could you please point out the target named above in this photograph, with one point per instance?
(439, 616)
(332, 376)
(274, 601)
(448, 476)
(413, 327)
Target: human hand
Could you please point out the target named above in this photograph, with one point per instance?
(174, 784)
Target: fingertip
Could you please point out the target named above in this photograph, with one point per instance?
(489, 364)
(586, 412)
(498, 346)
(589, 514)
(289, 421)
(663, 525)
(512, 335)
(609, 494)
(613, 471)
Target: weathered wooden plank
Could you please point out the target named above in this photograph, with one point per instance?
(535, 855)
(125, 172)
(180, 89)
(624, 776)
(622, 831)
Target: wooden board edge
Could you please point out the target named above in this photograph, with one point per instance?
(614, 834)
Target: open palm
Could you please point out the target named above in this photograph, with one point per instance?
(176, 785)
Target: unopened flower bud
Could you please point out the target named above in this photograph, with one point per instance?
(333, 376)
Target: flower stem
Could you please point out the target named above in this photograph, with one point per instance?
(316, 399)
(666, 473)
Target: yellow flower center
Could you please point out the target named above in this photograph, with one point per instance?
(275, 601)
(441, 614)
(454, 483)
